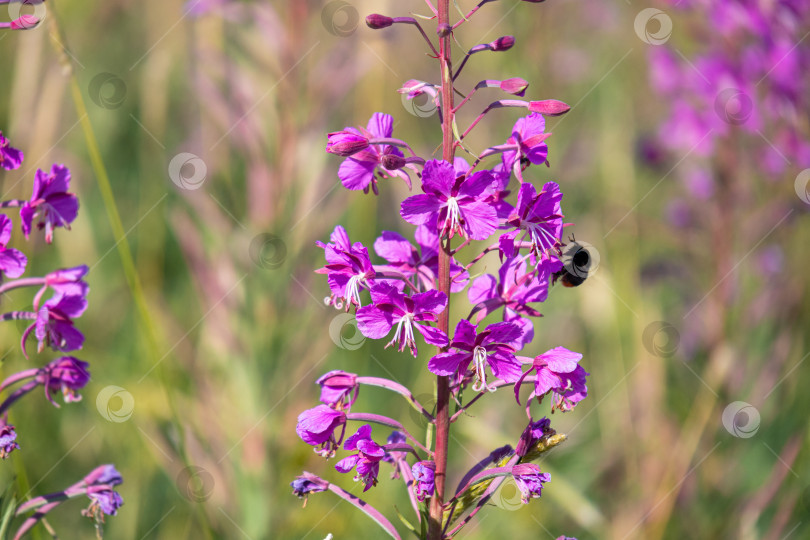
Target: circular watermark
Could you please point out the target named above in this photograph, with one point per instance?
(340, 18)
(268, 251)
(661, 339)
(344, 332)
(195, 484)
(428, 401)
(508, 496)
(187, 171)
(580, 259)
(26, 21)
(422, 105)
(107, 90)
(802, 186)
(733, 106)
(115, 404)
(653, 26)
(741, 419)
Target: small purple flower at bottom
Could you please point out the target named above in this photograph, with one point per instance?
(317, 426)
(8, 441)
(494, 346)
(407, 312)
(102, 501)
(308, 483)
(51, 202)
(339, 389)
(424, 473)
(529, 481)
(367, 459)
(559, 372)
(10, 157)
(66, 374)
(12, 261)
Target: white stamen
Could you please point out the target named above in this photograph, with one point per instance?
(352, 294)
(453, 215)
(479, 366)
(405, 330)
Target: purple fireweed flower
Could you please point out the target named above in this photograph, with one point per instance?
(12, 262)
(50, 202)
(557, 371)
(527, 140)
(423, 479)
(539, 216)
(390, 307)
(513, 290)
(348, 269)
(405, 259)
(494, 346)
(394, 456)
(360, 169)
(8, 440)
(367, 459)
(66, 374)
(339, 389)
(104, 500)
(529, 480)
(532, 435)
(317, 426)
(54, 324)
(68, 281)
(458, 204)
(10, 157)
(104, 474)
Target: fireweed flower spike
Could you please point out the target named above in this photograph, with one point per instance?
(392, 307)
(458, 204)
(50, 202)
(412, 289)
(348, 269)
(10, 157)
(557, 371)
(367, 459)
(494, 346)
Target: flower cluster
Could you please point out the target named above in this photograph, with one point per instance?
(51, 321)
(404, 297)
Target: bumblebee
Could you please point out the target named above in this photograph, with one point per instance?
(577, 264)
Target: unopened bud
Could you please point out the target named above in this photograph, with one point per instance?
(392, 162)
(25, 22)
(515, 86)
(549, 107)
(375, 21)
(503, 43)
(345, 143)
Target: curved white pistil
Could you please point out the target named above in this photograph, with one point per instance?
(479, 366)
(404, 333)
(538, 234)
(352, 294)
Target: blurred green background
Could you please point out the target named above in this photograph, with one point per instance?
(220, 339)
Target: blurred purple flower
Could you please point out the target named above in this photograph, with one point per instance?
(66, 374)
(12, 262)
(532, 435)
(50, 202)
(529, 480)
(423, 479)
(10, 157)
(54, 324)
(8, 440)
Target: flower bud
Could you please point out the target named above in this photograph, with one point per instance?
(345, 143)
(392, 162)
(25, 22)
(549, 107)
(375, 21)
(443, 30)
(503, 43)
(515, 86)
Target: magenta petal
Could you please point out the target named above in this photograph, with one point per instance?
(465, 333)
(505, 366)
(448, 363)
(432, 301)
(393, 247)
(438, 177)
(478, 184)
(355, 174)
(418, 209)
(480, 220)
(375, 321)
(432, 335)
(26, 217)
(5, 230)
(560, 360)
(545, 381)
(381, 125)
(347, 464)
(483, 288)
(12, 263)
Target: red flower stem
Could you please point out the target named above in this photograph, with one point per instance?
(436, 509)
